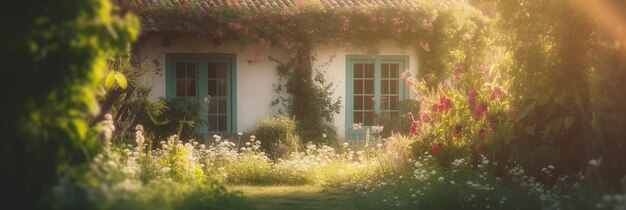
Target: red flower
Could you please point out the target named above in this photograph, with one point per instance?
(457, 131)
(471, 97)
(480, 110)
(425, 118)
(437, 107)
(234, 26)
(436, 149)
(413, 129)
(480, 150)
(457, 70)
(443, 104)
(482, 134)
(497, 93)
(446, 102)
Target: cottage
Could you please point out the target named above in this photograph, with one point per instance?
(225, 53)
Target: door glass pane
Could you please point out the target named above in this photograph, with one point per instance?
(191, 71)
(358, 117)
(358, 86)
(358, 70)
(212, 70)
(180, 70)
(358, 102)
(222, 106)
(394, 67)
(213, 106)
(369, 103)
(191, 88)
(221, 70)
(212, 123)
(180, 87)
(394, 71)
(368, 119)
(369, 70)
(393, 102)
(212, 88)
(385, 71)
(222, 123)
(393, 86)
(369, 87)
(221, 87)
(384, 85)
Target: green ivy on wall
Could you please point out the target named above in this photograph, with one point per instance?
(445, 34)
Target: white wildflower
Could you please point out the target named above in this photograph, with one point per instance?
(139, 139)
(596, 162)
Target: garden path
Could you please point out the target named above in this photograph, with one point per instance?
(306, 197)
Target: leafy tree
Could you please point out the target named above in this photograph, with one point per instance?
(53, 60)
(549, 44)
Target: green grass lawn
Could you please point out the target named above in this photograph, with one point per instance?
(306, 197)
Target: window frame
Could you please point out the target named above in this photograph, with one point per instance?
(201, 60)
(403, 90)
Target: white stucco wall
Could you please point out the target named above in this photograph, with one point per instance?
(254, 80)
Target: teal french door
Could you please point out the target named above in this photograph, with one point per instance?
(210, 79)
(373, 88)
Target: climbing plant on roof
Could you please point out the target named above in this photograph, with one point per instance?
(444, 34)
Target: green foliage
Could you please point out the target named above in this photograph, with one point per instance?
(115, 77)
(549, 57)
(183, 116)
(311, 103)
(131, 179)
(424, 184)
(399, 125)
(443, 33)
(128, 106)
(278, 136)
(608, 88)
(55, 54)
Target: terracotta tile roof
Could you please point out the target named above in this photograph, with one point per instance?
(274, 4)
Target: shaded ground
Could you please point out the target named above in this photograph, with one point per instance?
(297, 197)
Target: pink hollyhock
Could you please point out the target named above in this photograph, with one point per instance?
(405, 74)
(234, 26)
(445, 102)
(457, 131)
(457, 70)
(481, 149)
(409, 81)
(497, 93)
(425, 117)
(436, 149)
(471, 97)
(482, 134)
(413, 129)
(480, 110)
(437, 107)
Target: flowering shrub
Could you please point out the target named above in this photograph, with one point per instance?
(468, 116)
(279, 136)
